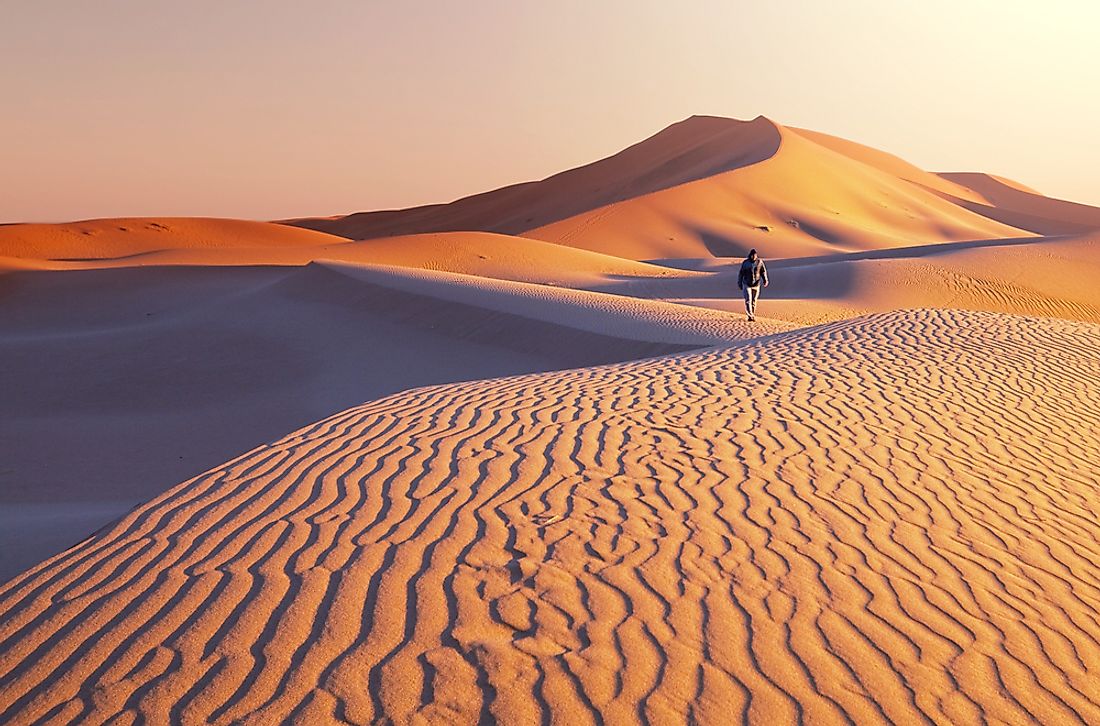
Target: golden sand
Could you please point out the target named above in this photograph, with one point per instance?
(542, 470)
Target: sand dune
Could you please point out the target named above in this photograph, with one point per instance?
(703, 187)
(710, 186)
(1012, 203)
(98, 239)
(636, 318)
(806, 199)
(1051, 277)
(545, 471)
(474, 253)
(696, 148)
(121, 382)
(140, 376)
(503, 257)
(889, 519)
(891, 165)
(1048, 276)
(988, 186)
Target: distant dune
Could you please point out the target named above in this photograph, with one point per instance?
(805, 200)
(543, 470)
(98, 239)
(716, 187)
(697, 148)
(477, 253)
(1015, 204)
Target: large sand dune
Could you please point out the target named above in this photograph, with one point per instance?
(139, 370)
(696, 148)
(806, 199)
(890, 519)
(715, 187)
(548, 472)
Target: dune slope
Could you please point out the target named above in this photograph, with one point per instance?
(473, 253)
(710, 186)
(806, 199)
(890, 519)
(1042, 276)
(1012, 203)
(119, 383)
(695, 148)
(99, 239)
(1049, 277)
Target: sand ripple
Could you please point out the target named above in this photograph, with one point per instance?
(892, 519)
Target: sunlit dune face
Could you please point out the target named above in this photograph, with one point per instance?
(582, 544)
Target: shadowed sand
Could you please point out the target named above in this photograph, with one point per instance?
(121, 382)
(884, 519)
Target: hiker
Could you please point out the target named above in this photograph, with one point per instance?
(753, 272)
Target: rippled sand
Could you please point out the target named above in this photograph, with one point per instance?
(893, 518)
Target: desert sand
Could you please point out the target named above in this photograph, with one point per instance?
(539, 467)
(716, 187)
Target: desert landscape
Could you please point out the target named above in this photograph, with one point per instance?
(521, 458)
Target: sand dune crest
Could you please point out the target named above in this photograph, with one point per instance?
(713, 187)
(100, 239)
(695, 148)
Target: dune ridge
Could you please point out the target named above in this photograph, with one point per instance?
(1015, 204)
(120, 382)
(806, 199)
(484, 254)
(94, 240)
(709, 186)
(888, 519)
(695, 148)
(625, 316)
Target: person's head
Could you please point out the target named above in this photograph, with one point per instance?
(752, 254)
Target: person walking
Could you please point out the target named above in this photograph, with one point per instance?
(752, 274)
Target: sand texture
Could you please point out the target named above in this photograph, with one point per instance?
(541, 469)
(125, 377)
(884, 519)
(119, 383)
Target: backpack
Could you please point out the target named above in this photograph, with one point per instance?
(752, 272)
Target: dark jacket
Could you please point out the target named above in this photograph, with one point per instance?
(753, 272)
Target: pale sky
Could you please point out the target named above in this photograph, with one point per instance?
(282, 108)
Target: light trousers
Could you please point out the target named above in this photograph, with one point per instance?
(751, 295)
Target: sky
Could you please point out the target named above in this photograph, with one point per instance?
(275, 109)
